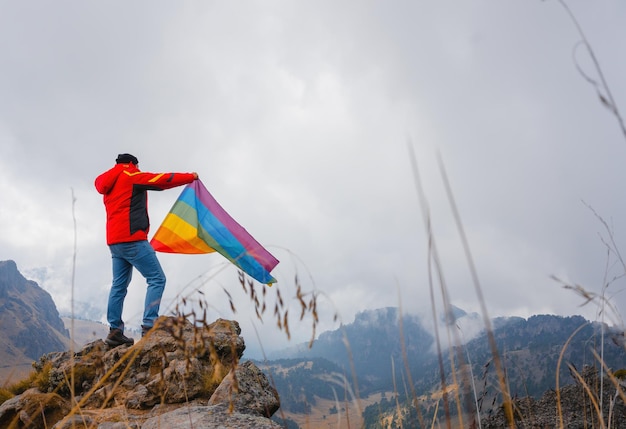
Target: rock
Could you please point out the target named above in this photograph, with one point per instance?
(208, 417)
(176, 362)
(118, 425)
(33, 409)
(171, 372)
(74, 422)
(576, 409)
(247, 390)
(173, 363)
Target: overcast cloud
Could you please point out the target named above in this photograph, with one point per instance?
(296, 115)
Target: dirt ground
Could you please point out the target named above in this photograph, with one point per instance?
(348, 415)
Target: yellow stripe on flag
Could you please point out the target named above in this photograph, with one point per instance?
(181, 236)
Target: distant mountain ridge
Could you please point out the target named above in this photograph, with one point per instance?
(31, 325)
(381, 349)
(374, 339)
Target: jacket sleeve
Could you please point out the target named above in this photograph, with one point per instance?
(160, 181)
(104, 182)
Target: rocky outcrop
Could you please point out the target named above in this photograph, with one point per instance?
(178, 375)
(246, 389)
(578, 404)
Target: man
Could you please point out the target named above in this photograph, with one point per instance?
(124, 188)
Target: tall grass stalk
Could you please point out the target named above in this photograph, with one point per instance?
(433, 259)
(589, 393)
(602, 88)
(471, 374)
(395, 389)
(558, 371)
(405, 358)
(611, 250)
(619, 391)
(506, 396)
(75, 250)
(442, 372)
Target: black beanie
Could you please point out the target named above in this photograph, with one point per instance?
(125, 158)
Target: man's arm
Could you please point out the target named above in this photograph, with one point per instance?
(160, 181)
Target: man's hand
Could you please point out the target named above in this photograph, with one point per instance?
(195, 175)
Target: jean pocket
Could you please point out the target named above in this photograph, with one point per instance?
(126, 251)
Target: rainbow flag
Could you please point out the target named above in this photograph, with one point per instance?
(196, 224)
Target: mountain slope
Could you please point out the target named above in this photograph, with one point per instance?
(29, 321)
(374, 339)
(529, 349)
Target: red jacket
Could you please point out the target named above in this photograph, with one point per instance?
(126, 200)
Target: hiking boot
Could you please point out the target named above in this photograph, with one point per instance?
(145, 330)
(117, 338)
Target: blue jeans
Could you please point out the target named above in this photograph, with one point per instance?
(141, 255)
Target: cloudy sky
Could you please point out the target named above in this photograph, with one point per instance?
(298, 117)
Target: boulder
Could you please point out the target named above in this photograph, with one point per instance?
(247, 390)
(208, 417)
(33, 409)
(168, 376)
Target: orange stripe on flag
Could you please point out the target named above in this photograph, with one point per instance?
(193, 245)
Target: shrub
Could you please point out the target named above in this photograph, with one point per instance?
(5, 394)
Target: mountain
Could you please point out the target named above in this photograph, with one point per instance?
(30, 323)
(574, 405)
(379, 354)
(374, 339)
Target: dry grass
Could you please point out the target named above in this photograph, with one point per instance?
(347, 415)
